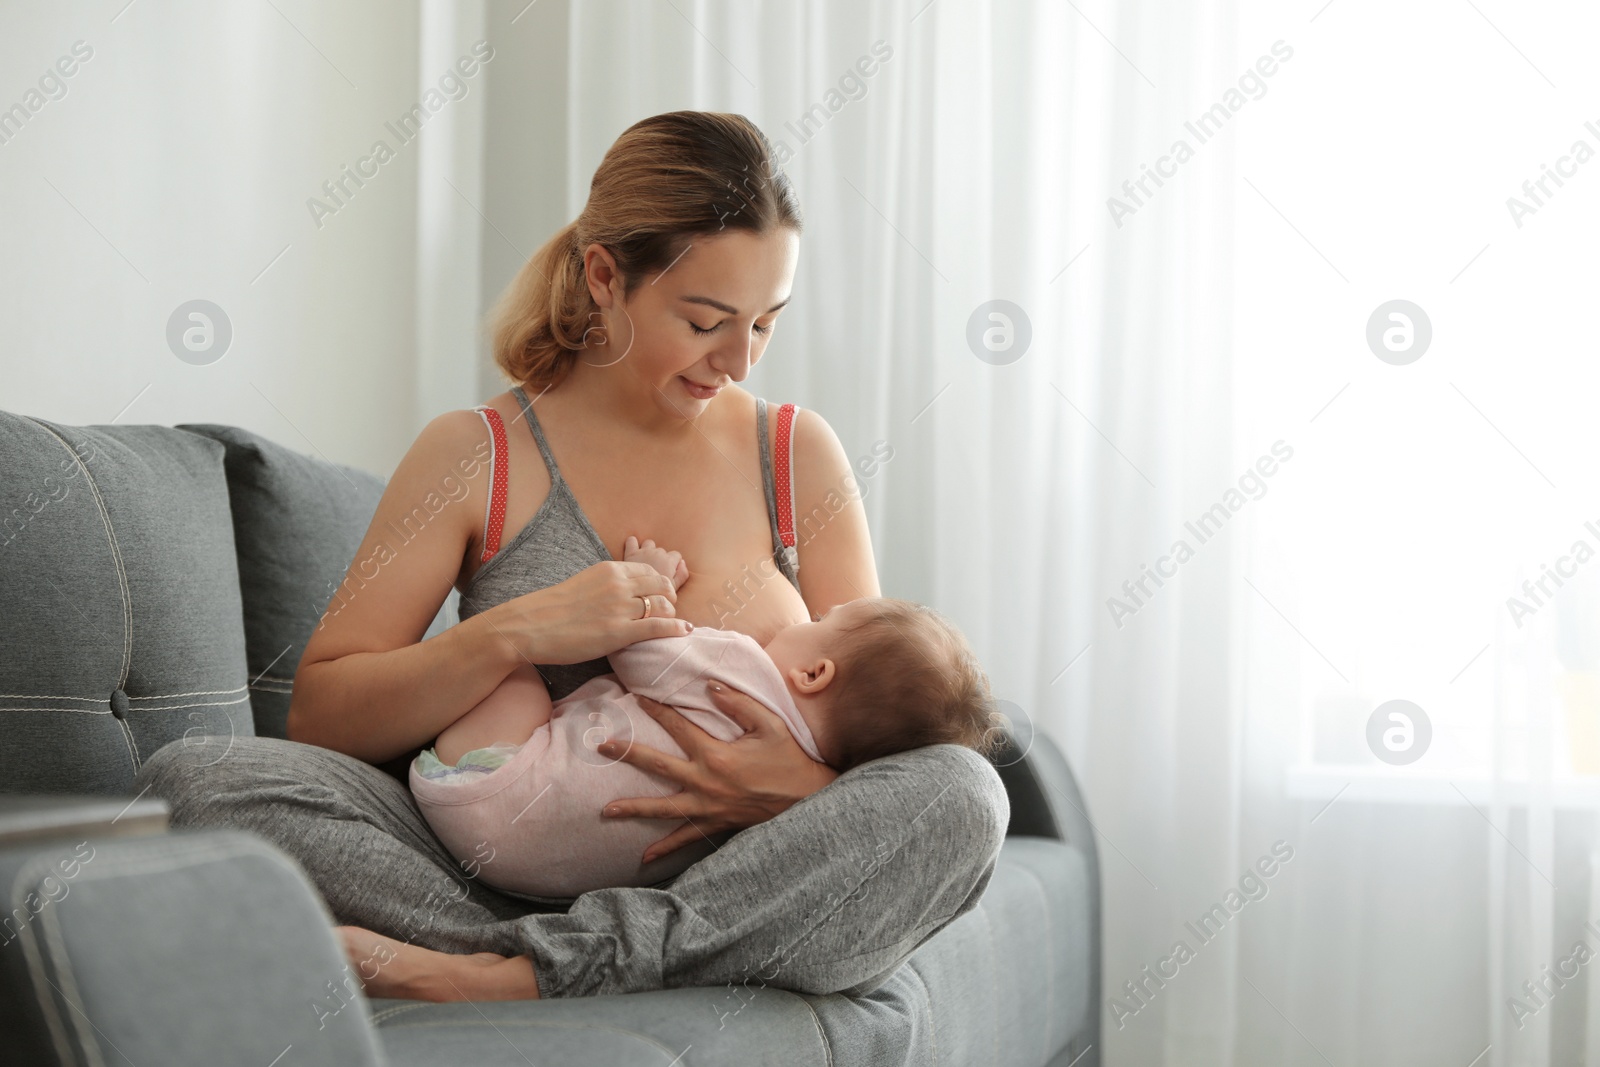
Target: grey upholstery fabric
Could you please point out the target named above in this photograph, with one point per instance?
(182, 949)
(1046, 801)
(670, 1026)
(298, 521)
(1007, 983)
(122, 628)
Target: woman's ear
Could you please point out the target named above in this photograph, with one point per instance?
(814, 678)
(600, 272)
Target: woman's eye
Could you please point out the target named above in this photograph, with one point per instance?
(758, 329)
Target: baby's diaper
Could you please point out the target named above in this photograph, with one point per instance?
(472, 765)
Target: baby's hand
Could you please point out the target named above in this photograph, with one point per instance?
(670, 564)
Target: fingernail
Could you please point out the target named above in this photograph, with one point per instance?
(716, 687)
(610, 810)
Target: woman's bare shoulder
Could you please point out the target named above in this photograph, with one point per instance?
(836, 563)
(453, 436)
(820, 461)
(452, 441)
(814, 439)
(460, 426)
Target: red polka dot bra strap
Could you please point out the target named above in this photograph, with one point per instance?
(494, 509)
(784, 472)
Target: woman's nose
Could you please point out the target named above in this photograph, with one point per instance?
(734, 360)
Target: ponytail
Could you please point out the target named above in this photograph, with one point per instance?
(541, 319)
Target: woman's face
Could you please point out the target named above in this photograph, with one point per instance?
(689, 331)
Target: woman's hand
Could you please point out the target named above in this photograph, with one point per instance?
(726, 784)
(591, 614)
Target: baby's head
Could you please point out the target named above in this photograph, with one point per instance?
(877, 676)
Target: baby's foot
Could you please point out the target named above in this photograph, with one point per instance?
(670, 564)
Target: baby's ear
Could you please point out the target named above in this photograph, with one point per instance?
(817, 677)
(804, 679)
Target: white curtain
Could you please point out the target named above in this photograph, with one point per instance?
(974, 165)
(1198, 373)
(1435, 909)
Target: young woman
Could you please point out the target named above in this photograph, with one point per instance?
(627, 334)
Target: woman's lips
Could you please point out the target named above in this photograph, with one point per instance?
(698, 391)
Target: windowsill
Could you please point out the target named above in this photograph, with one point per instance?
(1365, 784)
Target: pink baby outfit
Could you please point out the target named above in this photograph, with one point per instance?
(533, 825)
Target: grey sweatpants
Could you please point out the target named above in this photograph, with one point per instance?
(830, 896)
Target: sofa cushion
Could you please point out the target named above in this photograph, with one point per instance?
(298, 521)
(1005, 984)
(122, 629)
(668, 1026)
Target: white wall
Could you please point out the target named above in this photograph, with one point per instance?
(526, 192)
(178, 165)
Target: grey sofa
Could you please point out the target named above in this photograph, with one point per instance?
(158, 584)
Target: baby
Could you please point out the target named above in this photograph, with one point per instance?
(521, 807)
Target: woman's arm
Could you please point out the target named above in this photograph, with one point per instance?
(835, 549)
(365, 685)
(370, 687)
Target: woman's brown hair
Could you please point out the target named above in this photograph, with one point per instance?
(667, 179)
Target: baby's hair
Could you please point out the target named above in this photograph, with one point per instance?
(907, 678)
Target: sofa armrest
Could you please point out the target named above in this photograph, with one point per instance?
(1046, 802)
(1044, 794)
(47, 816)
(172, 948)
